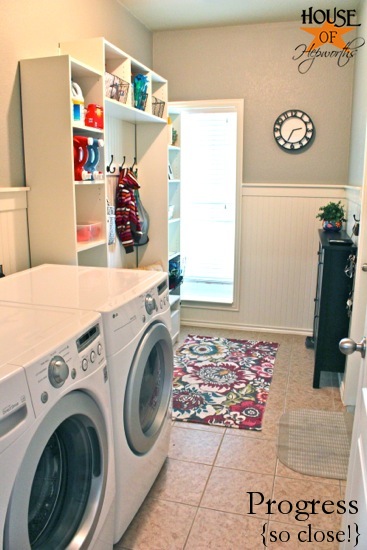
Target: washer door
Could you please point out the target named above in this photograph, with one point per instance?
(149, 389)
(59, 490)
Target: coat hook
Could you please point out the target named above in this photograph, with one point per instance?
(355, 219)
(122, 165)
(134, 164)
(109, 167)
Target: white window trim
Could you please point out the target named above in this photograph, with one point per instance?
(238, 105)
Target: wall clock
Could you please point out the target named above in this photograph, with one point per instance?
(294, 131)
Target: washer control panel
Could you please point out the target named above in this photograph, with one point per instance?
(62, 366)
(156, 300)
(124, 323)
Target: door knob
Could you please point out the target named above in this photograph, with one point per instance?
(348, 346)
(364, 267)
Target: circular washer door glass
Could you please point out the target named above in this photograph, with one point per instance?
(60, 486)
(149, 389)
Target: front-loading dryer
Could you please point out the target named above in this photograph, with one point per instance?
(56, 438)
(134, 306)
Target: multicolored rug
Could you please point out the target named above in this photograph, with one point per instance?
(222, 382)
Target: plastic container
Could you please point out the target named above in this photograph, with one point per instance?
(94, 116)
(88, 232)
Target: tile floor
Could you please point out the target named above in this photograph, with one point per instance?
(200, 500)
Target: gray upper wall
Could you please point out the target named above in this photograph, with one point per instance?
(359, 116)
(254, 62)
(33, 28)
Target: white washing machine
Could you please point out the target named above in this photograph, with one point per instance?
(56, 438)
(135, 311)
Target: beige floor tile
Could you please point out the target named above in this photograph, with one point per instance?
(244, 461)
(283, 536)
(159, 525)
(309, 400)
(302, 377)
(284, 471)
(276, 399)
(227, 491)
(214, 530)
(203, 427)
(247, 453)
(181, 481)
(290, 491)
(194, 445)
(279, 381)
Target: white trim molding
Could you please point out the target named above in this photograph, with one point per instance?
(14, 246)
(278, 266)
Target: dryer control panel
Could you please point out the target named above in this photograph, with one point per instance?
(125, 323)
(66, 365)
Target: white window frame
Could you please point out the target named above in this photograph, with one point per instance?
(238, 105)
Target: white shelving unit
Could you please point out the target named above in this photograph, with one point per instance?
(174, 222)
(57, 204)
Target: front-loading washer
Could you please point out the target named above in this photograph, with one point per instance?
(134, 306)
(56, 437)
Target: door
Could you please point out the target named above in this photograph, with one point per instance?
(356, 489)
(149, 389)
(354, 521)
(60, 486)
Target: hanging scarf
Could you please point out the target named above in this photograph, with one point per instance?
(128, 224)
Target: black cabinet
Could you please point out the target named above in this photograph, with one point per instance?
(331, 317)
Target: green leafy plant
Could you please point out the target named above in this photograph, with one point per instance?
(332, 212)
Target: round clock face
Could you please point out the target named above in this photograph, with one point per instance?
(293, 131)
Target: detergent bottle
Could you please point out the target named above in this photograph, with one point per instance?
(94, 116)
(93, 159)
(77, 101)
(80, 144)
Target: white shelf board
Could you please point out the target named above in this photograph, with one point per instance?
(130, 114)
(90, 244)
(89, 182)
(80, 69)
(82, 128)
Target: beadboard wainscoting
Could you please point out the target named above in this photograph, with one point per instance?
(14, 247)
(278, 259)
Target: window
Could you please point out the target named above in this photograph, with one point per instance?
(209, 191)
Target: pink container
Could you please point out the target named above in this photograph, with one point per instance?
(88, 232)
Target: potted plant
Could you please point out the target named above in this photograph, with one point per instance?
(332, 216)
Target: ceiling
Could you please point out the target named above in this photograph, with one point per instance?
(159, 15)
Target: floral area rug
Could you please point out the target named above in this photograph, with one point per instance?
(222, 382)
